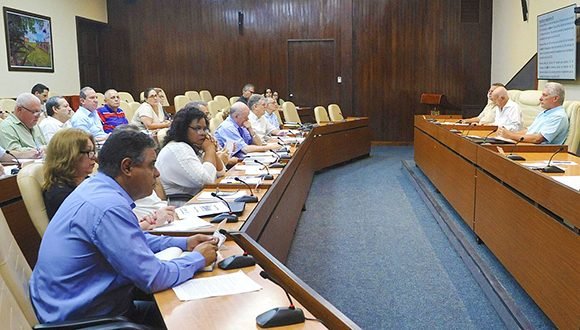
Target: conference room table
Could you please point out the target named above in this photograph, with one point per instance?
(527, 218)
(267, 234)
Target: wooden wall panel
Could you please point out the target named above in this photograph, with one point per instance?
(387, 51)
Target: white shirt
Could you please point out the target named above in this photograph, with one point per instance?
(487, 115)
(50, 125)
(509, 117)
(261, 125)
(148, 205)
(181, 171)
(146, 110)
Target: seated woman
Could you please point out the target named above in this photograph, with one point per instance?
(150, 115)
(70, 158)
(189, 159)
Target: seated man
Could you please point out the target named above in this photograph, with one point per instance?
(86, 117)
(507, 112)
(271, 109)
(237, 130)
(19, 130)
(59, 113)
(260, 124)
(551, 125)
(487, 115)
(110, 113)
(93, 253)
(247, 91)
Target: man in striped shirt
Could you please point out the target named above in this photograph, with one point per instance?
(110, 113)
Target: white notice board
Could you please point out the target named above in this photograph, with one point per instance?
(557, 44)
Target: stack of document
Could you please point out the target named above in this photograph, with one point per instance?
(215, 286)
(186, 224)
(199, 210)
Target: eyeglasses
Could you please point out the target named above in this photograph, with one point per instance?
(200, 130)
(153, 96)
(90, 153)
(34, 113)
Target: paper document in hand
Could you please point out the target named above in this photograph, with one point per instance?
(186, 224)
(200, 210)
(216, 286)
(248, 179)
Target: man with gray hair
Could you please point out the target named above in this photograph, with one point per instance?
(257, 105)
(551, 125)
(237, 131)
(19, 131)
(86, 117)
(59, 113)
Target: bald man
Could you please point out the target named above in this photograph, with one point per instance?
(19, 131)
(507, 112)
(487, 115)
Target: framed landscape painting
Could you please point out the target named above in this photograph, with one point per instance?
(28, 41)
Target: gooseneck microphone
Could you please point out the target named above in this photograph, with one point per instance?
(251, 198)
(284, 147)
(468, 129)
(267, 176)
(236, 261)
(15, 171)
(512, 156)
(552, 168)
(228, 216)
(488, 134)
(277, 163)
(279, 316)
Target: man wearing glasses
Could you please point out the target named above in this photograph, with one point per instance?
(19, 130)
(551, 125)
(86, 117)
(247, 91)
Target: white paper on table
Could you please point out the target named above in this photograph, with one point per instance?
(200, 210)
(264, 160)
(8, 169)
(215, 286)
(229, 196)
(572, 181)
(253, 170)
(544, 163)
(184, 225)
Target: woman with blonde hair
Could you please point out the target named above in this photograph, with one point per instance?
(70, 157)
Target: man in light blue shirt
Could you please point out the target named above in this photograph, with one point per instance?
(86, 117)
(238, 131)
(93, 253)
(270, 115)
(550, 126)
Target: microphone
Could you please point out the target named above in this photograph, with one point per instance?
(266, 176)
(15, 171)
(235, 261)
(552, 168)
(228, 216)
(488, 134)
(516, 157)
(251, 198)
(277, 163)
(284, 148)
(279, 316)
(468, 129)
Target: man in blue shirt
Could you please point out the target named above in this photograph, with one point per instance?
(237, 130)
(86, 117)
(551, 125)
(93, 253)
(111, 114)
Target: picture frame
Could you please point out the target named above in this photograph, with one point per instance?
(28, 41)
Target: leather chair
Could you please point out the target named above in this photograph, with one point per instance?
(180, 101)
(193, 95)
(126, 96)
(10, 312)
(222, 101)
(161, 136)
(514, 94)
(334, 112)
(320, 114)
(214, 107)
(573, 138)
(7, 105)
(125, 107)
(290, 112)
(101, 99)
(134, 106)
(234, 99)
(205, 95)
(30, 180)
(215, 122)
(529, 104)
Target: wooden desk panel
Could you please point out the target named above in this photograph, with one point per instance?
(450, 173)
(542, 254)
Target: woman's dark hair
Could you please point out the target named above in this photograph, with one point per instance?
(178, 130)
(147, 91)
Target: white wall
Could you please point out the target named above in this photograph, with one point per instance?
(65, 79)
(514, 41)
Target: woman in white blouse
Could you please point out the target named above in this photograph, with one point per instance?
(189, 159)
(150, 115)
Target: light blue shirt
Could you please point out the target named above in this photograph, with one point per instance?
(88, 121)
(2, 152)
(272, 118)
(552, 124)
(229, 130)
(94, 253)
